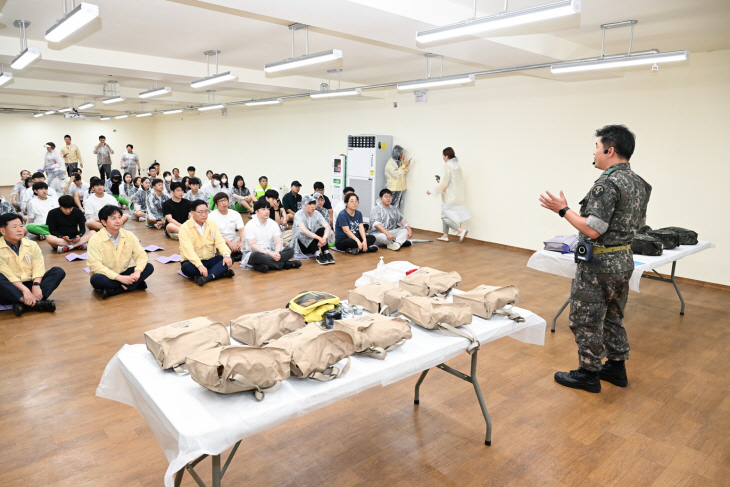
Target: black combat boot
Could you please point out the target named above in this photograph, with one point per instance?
(614, 371)
(579, 379)
(47, 305)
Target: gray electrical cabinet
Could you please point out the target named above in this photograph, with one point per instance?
(366, 159)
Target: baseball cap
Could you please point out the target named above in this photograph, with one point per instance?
(296, 183)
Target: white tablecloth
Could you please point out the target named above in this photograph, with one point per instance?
(564, 265)
(189, 421)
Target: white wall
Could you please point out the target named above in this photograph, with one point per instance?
(23, 138)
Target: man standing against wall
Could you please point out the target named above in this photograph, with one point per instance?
(71, 155)
(130, 162)
(104, 158)
(610, 215)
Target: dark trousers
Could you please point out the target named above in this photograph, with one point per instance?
(215, 267)
(257, 258)
(70, 166)
(100, 281)
(9, 294)
(105, 171)
(348, 243)
(312, 247)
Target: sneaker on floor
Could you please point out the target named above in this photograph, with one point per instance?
(173, 236)
(353, 251)
(330, 257)
(61, 250)
(200, 281)
(407, 243)
(322, 259)
(83, 247)
(443, 239)
(260, 268)
(373, 248)
(462, 235)
(292, 264)
(579, 379)
(393, 246)
(141, 219)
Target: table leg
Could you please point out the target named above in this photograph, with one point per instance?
(216, 470)
(418, 384)
(179, 477)
(562, 308)
(676, 288)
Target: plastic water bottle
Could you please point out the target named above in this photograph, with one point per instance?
(381, 267)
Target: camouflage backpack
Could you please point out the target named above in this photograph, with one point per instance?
(646, 245)
(668, 238)
(686, 237)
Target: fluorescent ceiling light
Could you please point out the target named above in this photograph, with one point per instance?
(36, 115)
(174, 110)
(210, 107)
(86, 105)
(216, 78)
(155, 92)
(501, 20)
(271, 101)
(5, 77)
(146, 114)
(77, 18)
(123, 115)
(330, 94)
(105, 118)
(114, 99)
(64, 110)
(50, 112)
(618, 62)
(434, 82)
(316, 58)
(26, 57)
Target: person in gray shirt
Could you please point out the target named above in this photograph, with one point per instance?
(104, 158)
(387, 225)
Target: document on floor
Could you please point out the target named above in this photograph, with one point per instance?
(73, 257)
(152, 248)
(166, 260)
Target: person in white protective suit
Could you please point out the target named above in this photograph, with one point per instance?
(451, 189)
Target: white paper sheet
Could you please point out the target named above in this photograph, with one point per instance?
(189, 421)
(564, 265)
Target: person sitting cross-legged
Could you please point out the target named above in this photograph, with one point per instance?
(38, 208)
(264, 246)
(97, 200)
(199, 241)
(155, 199)
(67, 226)
(388, 226)
(109, 253)
(140, 200)
(310, 232)
(230, 225)
(24, 282)
(176, 210)
(350, 230)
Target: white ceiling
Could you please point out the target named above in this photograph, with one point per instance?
(135, 41)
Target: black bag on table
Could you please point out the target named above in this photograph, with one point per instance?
(686, 237)
(644, 229)
(667, 237)
(646, 245)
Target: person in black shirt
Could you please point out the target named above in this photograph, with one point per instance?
(176, 210)
(292, 201)
(67, 226)
(319, 188)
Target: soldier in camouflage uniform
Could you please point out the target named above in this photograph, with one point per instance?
(610, 215)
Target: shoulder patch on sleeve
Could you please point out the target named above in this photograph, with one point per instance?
(598, 191)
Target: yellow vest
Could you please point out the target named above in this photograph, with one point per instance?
(24, 266)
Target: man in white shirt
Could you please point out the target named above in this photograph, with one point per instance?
(230, 225)
(263, 243)
(97, 200)
(38, 208)
(28, 194)
(130, 162)
(52, 163)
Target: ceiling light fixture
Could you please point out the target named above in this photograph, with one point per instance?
(216, 78)
(500, 20)
(123, 115)
(270, 101)
(146, 114)
(65, 108)
(621, 60)
(429, 82)
(115, 98)
(72, 21)
(335, 93)
(155, 91)
(50, 112)
(105, 118)
(212, 105)
(36, 115)
(4, 76)
(86, 104)
(307, 59)
(27, 54)
(174, 110)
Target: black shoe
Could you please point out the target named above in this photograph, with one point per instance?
(353, 251)
(322, 259)
(373, 248)
(19, 309)
(141, 286)
(579, 379)
(330, 258)
(237, 256)
(228, 273)
(47, 305)
(405, 244)
(614, 371)
(292, 264)
(200, 281)
(261, 268)
(108, 292)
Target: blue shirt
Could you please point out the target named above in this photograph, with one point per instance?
(345, 220)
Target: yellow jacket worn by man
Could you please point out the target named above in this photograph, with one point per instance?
(199, 240)
(24, 282)
(108, 258)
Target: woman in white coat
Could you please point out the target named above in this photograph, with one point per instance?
(451, 189)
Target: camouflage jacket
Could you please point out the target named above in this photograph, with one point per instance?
(617, 204)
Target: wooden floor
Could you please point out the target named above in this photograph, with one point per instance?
(671, 426)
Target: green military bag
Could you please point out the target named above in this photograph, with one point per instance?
(644, 229)
(646, 245)
(668, 238)
(686, 237)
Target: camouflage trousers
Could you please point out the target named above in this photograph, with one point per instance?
(596, 317)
